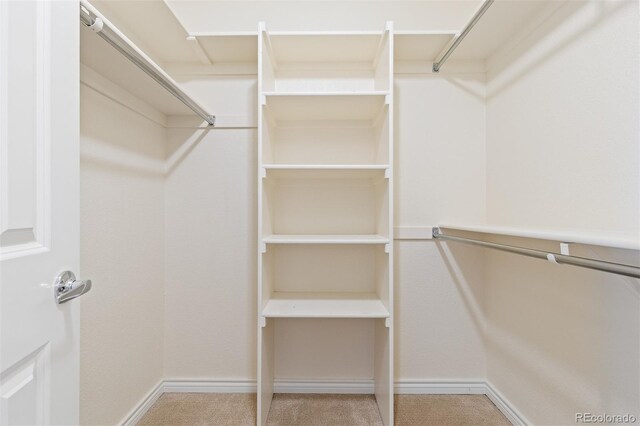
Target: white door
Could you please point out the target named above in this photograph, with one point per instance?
(39, 210)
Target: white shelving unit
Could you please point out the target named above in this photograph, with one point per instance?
(325, 190)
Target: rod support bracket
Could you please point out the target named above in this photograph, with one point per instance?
(97, 25)
(435, 232)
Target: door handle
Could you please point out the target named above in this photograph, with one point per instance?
(66, 287)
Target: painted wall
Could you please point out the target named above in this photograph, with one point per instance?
(210, 224)
(122, 251)
(563, 153)
(440, 177)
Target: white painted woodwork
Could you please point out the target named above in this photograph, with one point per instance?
(324, 305)
(39, 222)
(325, 239)
(229, 47)
(325, 193)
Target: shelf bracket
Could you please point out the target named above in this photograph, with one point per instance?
(263, 172)
(387, 248)
(387, 322)
(263, 247)
(198, 50)
(387, 99)
(262, 322)
(564, 249)
(387, 173)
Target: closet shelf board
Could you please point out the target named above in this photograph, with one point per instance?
(560, 235)
(297, 47)
(325, 239)
(324, 305)
(325, 172)
(325, 106)
(416, 46)
(334, 93)
(229, 47)
(326, 166)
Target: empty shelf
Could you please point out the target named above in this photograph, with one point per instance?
(326, 166)
(325, 239)
(293, 171)
(325, 106)
(420, 46)
(325, 305)
(300, 47)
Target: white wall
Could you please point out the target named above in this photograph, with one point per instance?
(440, 177)
(563, 153)
(210, 224)
(122, 246)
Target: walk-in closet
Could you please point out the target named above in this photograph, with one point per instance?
(320, 213)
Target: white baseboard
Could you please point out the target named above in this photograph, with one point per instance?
(509, 411)
(439, 387)
(210, 386)
(144, 405)
(363, 386)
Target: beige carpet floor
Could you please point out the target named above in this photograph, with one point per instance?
(182, 409)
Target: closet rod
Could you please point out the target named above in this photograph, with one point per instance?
(600, 265)
(96, 22)
(444, 55)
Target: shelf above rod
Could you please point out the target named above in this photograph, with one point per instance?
(583, 262)
(95, 21)
(444, 55)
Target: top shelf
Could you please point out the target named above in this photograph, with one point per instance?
(300, 47)
(329, 62)
(567, 236)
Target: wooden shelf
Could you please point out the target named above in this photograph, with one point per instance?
(298, 47)
(229, 47)
(420, 46)
(324, 305)
(297, 171)
(326, 166)
(331, 93)
(326, 140)
(325, 239)
(325, 106)
(560, 235)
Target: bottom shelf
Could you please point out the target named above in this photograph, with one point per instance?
(324, 305)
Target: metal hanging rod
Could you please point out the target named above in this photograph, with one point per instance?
(583, 262)
(444, 55)
(96, 22)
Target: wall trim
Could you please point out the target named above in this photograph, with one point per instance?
(506, 407)
(356, 386)
(439, 387)
(210, 386)
(141, 409)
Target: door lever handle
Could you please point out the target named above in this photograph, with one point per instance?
(66, 287)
